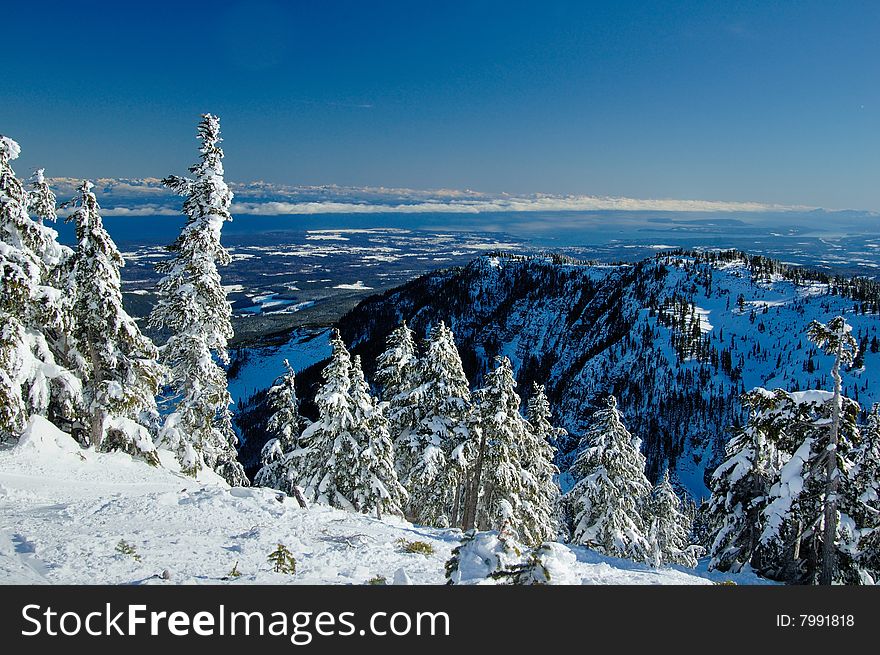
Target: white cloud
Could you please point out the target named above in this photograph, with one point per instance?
(141, 210)
(147, 197)
(525, 204)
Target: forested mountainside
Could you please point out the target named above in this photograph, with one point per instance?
(676, 338)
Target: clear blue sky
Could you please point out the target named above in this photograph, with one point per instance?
(766, 101)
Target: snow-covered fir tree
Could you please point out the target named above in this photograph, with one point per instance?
(835, 339)
(397, 373)
(866, 489)
(496, 484)
(118, 363)
(539, 416)
(512, 478)
(434, 449)
(791, 543)
(608, 499)
(41, 200)
(331, 465)
(740, 493)
(192, 305)
(670, 528)
(31, 309)
(377, 488)
(55, 309)
(541, 494)
(279, 462)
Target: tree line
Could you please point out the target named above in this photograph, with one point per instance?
(429, 449)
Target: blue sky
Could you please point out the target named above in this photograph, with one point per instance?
(775, 102)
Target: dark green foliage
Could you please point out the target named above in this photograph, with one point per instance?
(282, 560)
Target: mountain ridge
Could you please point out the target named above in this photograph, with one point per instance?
(677, 338)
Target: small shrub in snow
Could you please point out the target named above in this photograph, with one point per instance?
(480, 555)
(282, 560)
(496, 558)
(126, 548)
(234, 573)
(378, 580)
(419, 547)
(549, 563)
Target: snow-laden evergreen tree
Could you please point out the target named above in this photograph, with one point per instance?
(331, 466)
(495, 496)
(541, 494)
(192, 305)
(611, 488)
(42, 202)
(866, 488)
(397, 373)
(741, 488)
(56, 310)
(31, 308)
(118, 363)
(539, 416)
(435, 448)
(791, 542)
(670, 528)
(278, 458)
(376, 487)
(834, 339)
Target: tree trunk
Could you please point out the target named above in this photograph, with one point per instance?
(829, 534)
(300, 499)
(96, 434)
(456, 503)
(470, 507)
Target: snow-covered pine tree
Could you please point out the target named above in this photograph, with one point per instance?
(612, 489)
(55, 307)
(118, 363)
(496, 489)
(540, 494)
(331, 463)
(398, 376)
(396, 366)
(539, 416)
(866, 489)
(192, 305)
(278, 458)
(436, 447)
(791, 543)
(740, 489)
(834, 339)
(376, 487)
(42, 202)
(670, 528)
(31, 309)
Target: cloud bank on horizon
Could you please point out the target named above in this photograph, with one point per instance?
(147, 197)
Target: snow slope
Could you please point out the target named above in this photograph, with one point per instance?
(64, 510)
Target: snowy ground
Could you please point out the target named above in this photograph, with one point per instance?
(64, 510)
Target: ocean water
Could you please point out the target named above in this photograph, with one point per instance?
(845, 241)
